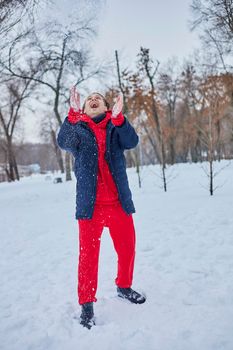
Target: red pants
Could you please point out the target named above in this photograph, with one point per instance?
(121, 228)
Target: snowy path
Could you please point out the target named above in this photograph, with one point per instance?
(184, 264)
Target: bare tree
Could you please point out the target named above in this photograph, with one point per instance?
(215, 101)
(54, 63)
(147, 65)
(14, 12)
(16, 92)
(192, 105)
(168, 85)
(215, 18)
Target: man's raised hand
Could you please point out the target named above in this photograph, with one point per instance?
(74, 99)
(118, 106)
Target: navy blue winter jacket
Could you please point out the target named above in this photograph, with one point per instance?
(80, 140)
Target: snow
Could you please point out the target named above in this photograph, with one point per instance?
(184, 265)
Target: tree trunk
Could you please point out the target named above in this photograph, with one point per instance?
(137, 162)
(164, 179)
(57, 152)
(7, 174)
(211, 177)
(211, 155)
(10, 160)
(163, 164)
(218, 127)
(172, 150)
(15, 167)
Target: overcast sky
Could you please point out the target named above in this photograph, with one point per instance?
(160, 25)
(125, 25)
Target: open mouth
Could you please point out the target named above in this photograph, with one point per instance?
(94, 104)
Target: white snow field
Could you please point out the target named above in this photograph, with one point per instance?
(184, 264)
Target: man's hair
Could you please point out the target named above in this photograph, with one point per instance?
(107, 104)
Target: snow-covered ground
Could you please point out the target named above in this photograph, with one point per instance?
(184, 264)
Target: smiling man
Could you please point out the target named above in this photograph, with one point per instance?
(95, 104)
(97, 138)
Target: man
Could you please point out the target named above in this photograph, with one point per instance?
(97, 138)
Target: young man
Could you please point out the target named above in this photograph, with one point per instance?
(97, 138)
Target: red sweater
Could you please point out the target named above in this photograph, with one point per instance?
(106, 188)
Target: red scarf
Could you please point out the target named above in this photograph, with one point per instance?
(106, 188)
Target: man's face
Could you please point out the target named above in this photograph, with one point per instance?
(94, 105)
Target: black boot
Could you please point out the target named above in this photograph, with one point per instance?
(87, 315)
(131, 295)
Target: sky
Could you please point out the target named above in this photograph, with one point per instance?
(162, 26)
(126, 25)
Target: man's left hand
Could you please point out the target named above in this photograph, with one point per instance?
(118, 106)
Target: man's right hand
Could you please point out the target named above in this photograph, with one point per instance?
(74, 99)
